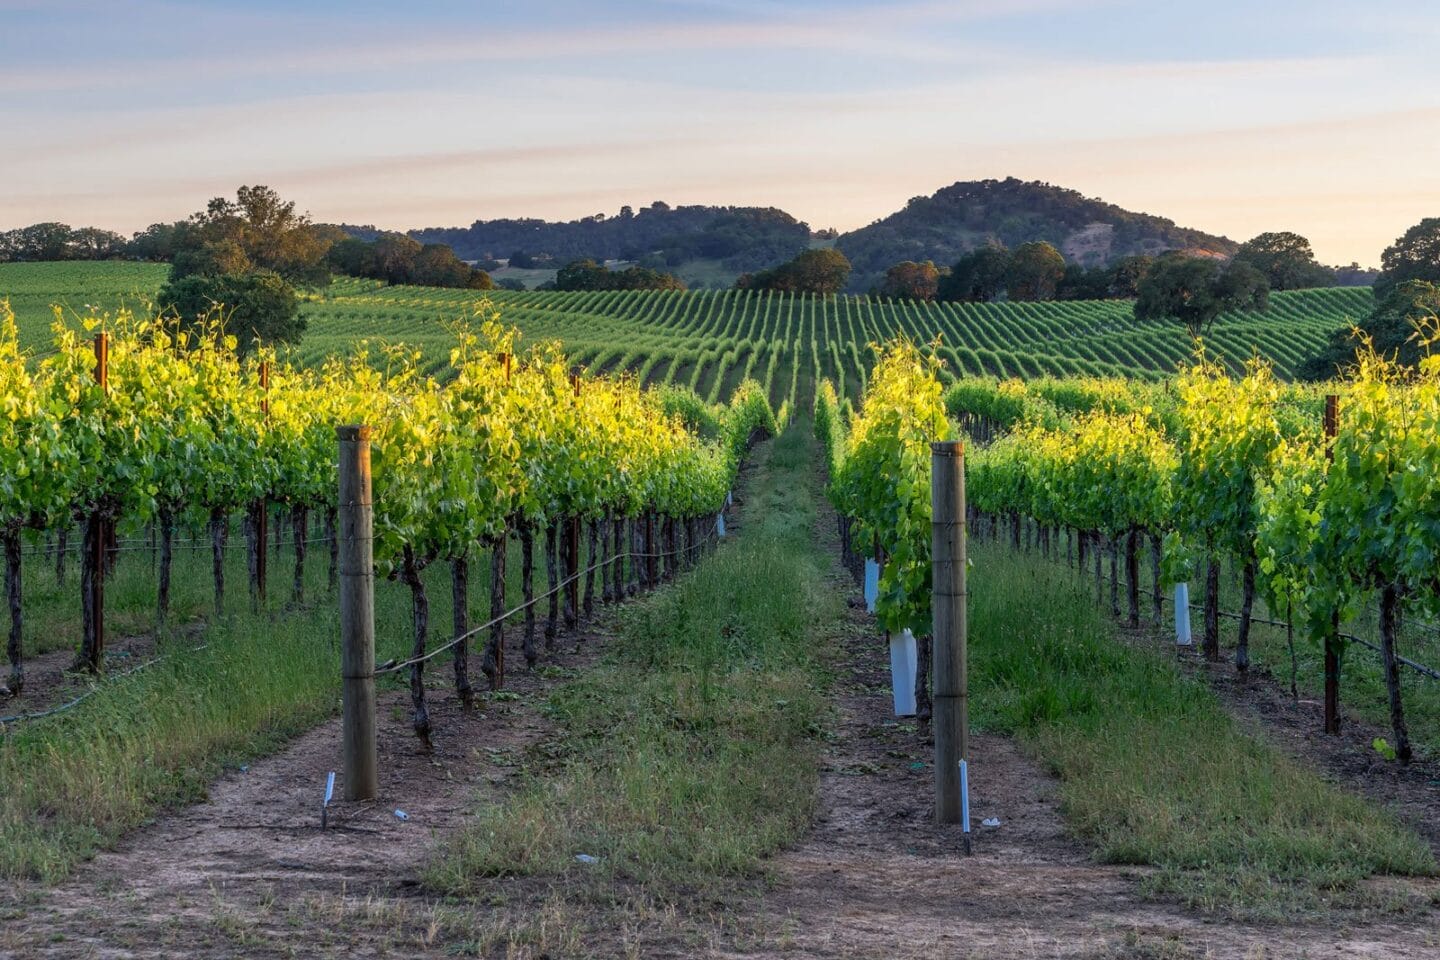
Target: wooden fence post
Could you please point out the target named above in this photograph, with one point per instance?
(1332, 642)
(947, 558)
(357, 614)
(98, 535)
(262, 511)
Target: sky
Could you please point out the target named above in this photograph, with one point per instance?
(1232, 117)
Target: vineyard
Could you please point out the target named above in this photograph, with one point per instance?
(1323, 505)
(711, 341)
(540, 459)
(137, 434)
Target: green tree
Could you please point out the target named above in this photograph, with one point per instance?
(353, 257)
(1126, 274)
(813, 271)
(581, 275)
(395, 256)
(1415, 256)
(259, 307)
(909, 280)
(1082, 283)
(1035, 271)
(977, 277)
(1196, 290)
(589, 275)
(1286, 260)
(643, 278)
(437, 266)
(157, 242)
(266, 229)
(213, 259)
(39, 241)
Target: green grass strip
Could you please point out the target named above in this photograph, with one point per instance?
(1155, 771)
(691, 751)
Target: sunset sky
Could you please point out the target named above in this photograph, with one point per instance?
(1320, 117)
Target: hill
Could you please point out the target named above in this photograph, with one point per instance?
(662, 236)
(965, 215)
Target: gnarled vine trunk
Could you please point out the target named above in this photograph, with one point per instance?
(460, 623)
(15, 647)
(1132, 574)
(334, 547)
(593, 530)
(553, 581)
(300, 523)
(1247, 604)
(219, 533)
(420, 620)
(167, 557)
(494, 662)
(1212, 609)
(1156, 592)
(527, 586)
(62, 541)
(1389, 611)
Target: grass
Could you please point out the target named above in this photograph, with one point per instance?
(1362, 680)
(691, 751)
(76, 782)
(227, 690)
(1154, 771)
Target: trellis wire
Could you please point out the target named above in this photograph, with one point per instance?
(387, 668)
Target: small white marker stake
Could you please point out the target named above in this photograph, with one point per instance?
(720, 525)
(1182, 615)
(329, 793)
(872, 584)
(965, 803)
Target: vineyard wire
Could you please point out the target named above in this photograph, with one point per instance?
(388, 668)
(631, 555)
(1415, 665)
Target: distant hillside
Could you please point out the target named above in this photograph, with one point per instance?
(961, 217)
(741, 238)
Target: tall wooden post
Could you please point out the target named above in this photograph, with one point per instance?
(262, 519)
(357, 614)
(1332, 642)
(94, 659)
(947, 565)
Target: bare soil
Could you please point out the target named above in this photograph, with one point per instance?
(49, 680)
(240, 874)
(877, 877)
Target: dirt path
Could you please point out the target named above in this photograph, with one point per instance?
(877, 878)
(241, 874)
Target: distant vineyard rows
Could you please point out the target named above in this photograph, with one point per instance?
(713, 340)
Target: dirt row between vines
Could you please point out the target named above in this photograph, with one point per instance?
(877, 878)
(237, 874)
